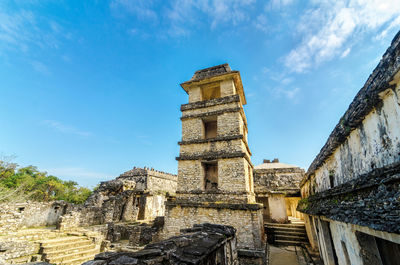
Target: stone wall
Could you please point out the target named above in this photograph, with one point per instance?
(246, 218)
(202, 244)
(277, 179)
(150, 180)
(14, 216)
(231, 175)
(353, 185)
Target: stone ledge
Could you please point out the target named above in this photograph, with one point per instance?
(212, 156)
(215, 139)
(373, 200)
(230, 206)
(278, 170)
(211, 113)
(365, 100)
(209, 103)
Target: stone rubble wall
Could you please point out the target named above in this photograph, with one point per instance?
(202, 244)
(279, 179)
(138, 194)
(246, 218)
(14, 216)
(17, 250)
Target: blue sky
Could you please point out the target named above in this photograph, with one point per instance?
(89, 89)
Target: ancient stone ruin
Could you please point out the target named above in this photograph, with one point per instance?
(277, 187)
(138, 194)
(220, 209)
(215, 173)
(351, 192)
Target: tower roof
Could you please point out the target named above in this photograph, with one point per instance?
(211, 71)
(214, 74)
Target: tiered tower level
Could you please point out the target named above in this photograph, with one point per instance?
(215, 174)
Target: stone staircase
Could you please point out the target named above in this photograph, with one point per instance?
(286, 234)
(68, 250)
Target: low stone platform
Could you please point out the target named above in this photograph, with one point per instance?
(202, 244)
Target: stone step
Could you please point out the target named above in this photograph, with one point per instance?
(61, 239)
(60, 246)
(68, 258)
(78, 261)
(288, 243)
(70, 250)
(291, 238)
(289, 233)
(283, 225)
(19, 260)
(292, 229)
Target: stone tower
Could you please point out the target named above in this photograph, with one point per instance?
(215, 180)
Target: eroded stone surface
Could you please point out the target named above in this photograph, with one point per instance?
(202, 244)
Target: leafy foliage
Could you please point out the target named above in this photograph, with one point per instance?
(29, 183)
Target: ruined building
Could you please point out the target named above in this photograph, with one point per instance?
(138, 194)
(277, 187)
(351, 192)
(215, 174)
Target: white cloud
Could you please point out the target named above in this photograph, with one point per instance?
(345, 53)
(329, 28)
(395, 24)
(67, 129)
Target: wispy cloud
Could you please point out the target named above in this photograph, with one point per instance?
(22, 30)
(143, 9)
(40, 67)
(283, 86)
(67, 129)
(278, 4)
(178, 17)
(331, 27)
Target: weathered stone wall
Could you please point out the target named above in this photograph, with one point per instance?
(232, 176)
(202, 244)
(149, 180)
(14, 216)
(246, 218)
(374, 144)
(277, 179)
(353, 184)
(230, 121)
